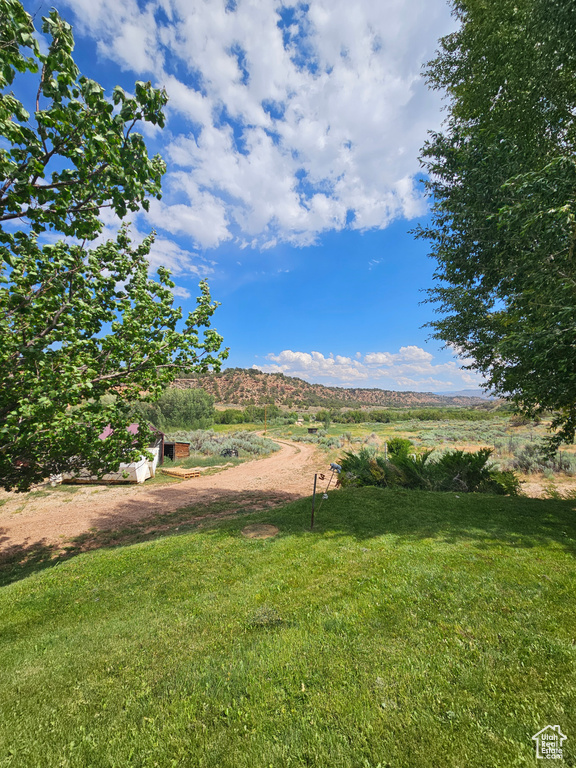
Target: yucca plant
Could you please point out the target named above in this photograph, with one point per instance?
(452, 471)
(416, 470)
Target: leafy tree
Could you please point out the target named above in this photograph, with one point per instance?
(324, 417)
(179, 409)
(229, 416)
(78, 319)
(503, 186)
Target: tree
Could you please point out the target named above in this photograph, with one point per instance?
(79, 318)
(502, 178)
(179, 409)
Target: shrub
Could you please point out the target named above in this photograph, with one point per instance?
(399, 445)
(451, 471)
(530, 458)
(521, 420)
(330, 442)
(469, 472)
(212, 444)
(229, 416)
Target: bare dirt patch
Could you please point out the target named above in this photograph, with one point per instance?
(260, 531)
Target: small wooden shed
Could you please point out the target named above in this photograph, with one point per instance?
(175, 450)
(312, 430)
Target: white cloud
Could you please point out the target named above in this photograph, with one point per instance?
(410, 368)
(182, 293)
(180, 262)
(163, 253)
(285, 119)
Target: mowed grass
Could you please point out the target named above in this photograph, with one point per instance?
(408, 630)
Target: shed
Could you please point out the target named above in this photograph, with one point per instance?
(312, 430)
(175, 450)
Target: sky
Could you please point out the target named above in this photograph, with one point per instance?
(293, 182)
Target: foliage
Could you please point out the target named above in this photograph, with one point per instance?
(229, 416)
(457, 471)
(324, 417)
(398, 445)
(212, 443)
(252, 414)
(502, 181)
(179, 409)
(532, 457)
(76, 321)
(380, 416)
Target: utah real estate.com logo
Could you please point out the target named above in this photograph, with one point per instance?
(549, 742)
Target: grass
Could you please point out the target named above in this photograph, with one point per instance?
(408, 630)
(213, 464)
(64, 488)
(245, 427)
(201, 460)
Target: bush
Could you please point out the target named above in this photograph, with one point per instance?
(212, 444)
(530, 458)
(229, 416)
(330, 442)
(451, 471)
(178, 409)
(521, 420)
(399, 445)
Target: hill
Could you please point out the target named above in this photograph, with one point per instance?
(241, 386)
(469, 393)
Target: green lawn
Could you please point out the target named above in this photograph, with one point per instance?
(408, 630)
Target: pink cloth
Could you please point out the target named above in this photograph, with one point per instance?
(133, 429)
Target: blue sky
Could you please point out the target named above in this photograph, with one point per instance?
(292, 146)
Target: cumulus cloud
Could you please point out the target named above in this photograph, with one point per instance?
(286, 119)
(181, 292)
(411, 368)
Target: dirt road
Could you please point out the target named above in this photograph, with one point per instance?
(28, 520)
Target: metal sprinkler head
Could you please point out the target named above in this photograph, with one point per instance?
(324, 495)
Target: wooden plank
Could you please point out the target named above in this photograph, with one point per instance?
(184, 474)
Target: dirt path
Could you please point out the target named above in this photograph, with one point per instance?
(29, 520)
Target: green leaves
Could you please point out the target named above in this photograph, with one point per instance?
(85, 331)
(108, 165)
(503, 184)
(457, 471)
(58, 362)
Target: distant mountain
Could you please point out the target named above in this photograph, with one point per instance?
(241, 387)
(468, 393)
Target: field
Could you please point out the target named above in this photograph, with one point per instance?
(514, 445)
(409, 629)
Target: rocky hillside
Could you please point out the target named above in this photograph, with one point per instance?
(241, 387)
